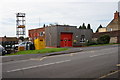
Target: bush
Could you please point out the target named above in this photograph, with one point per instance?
(104, 39)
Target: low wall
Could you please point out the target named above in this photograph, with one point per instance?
(113, 40)
(114, 36)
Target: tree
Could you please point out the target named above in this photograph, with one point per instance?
(51, 24)
(44, 25)
(99, 27)
(80, 27)
(66, 25)
(56, 23)
(88, 27)
(83, 26)
(104, 39)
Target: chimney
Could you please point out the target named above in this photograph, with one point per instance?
(116, 15)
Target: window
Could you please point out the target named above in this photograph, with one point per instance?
(82, 38)
(41, 40)
(22, 44)
(109, 29)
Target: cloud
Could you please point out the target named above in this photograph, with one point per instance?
(61, 0)
(72, 13)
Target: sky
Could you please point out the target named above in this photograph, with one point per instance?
(71, 12)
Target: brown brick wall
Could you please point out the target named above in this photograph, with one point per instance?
(8, 39)
(118, 40)
(111, 34)
(35, 33)
(115, 35)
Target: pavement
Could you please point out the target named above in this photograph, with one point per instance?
(100, 62)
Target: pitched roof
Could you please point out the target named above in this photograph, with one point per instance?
(115, 23)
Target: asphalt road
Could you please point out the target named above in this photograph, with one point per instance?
(92, 63)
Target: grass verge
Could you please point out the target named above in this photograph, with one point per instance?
(46, 50)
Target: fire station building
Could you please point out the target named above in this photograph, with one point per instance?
(62, 35)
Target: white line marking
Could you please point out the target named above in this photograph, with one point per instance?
(38, 66)
(109, 74)
(40, 59)
(99, 55)
(93, 55)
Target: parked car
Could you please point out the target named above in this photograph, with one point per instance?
(8, 48)
(2, 50)
(27, 45)
(15, 47)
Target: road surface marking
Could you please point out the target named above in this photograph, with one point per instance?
(38, 58)
(42, 58)
(108, 74)
(71, 54)
(38, 66)
(99, 55)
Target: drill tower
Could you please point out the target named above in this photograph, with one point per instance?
(20, 24)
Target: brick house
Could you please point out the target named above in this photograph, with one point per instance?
(36, 33)
(8, 39)
(113, 25)
(112, 29)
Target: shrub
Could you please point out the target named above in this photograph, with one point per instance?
(104, 39)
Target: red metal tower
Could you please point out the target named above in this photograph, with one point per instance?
(20, 24)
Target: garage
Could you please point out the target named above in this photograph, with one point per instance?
(66, 39)
(66, 36)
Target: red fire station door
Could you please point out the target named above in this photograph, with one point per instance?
(66, 40)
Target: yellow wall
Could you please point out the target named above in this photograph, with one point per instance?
(102, 30)
(39, 43)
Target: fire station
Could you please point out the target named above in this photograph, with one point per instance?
(61, 35)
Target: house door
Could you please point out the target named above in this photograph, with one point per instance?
(66, 40)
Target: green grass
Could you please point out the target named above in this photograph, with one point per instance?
(46, 50)
(103, 44)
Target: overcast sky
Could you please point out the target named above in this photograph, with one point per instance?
(71, 12)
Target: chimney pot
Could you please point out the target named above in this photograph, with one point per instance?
(116, 15)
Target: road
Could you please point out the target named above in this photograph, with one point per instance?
(91, 63)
